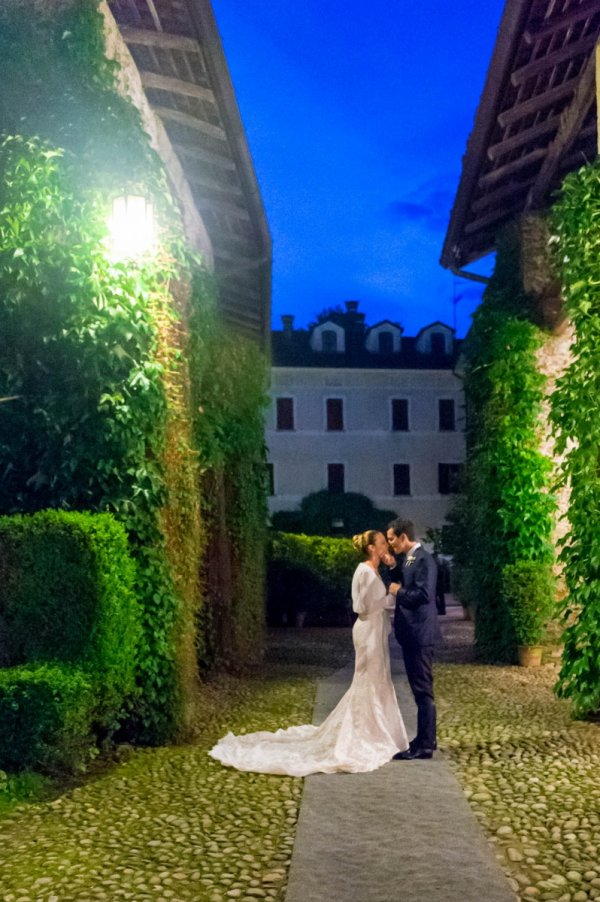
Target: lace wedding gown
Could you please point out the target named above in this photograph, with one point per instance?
(362, 732)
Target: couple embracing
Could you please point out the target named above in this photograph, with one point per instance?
(365, 729)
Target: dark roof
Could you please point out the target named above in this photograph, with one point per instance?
(293, 349)
(438, 322)
(385, 322)
(178, 52)
(536, 121)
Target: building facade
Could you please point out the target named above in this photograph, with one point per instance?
(366, 409)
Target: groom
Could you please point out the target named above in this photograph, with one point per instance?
(415, 626)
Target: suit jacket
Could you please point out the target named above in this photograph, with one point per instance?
(415, 619)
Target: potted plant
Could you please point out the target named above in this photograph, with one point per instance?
(528, 589)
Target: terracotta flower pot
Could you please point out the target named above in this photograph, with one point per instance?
(530, 655)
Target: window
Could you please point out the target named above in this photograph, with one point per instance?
(335, 478)
(270, 479)
(285, 413)
(449, 476)
(401, 479)
(335, 415)
(386, 343)
(447, 420)
(438, 343)
(329, 341)
(400, 414)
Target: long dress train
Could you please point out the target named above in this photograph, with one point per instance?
(363, 731)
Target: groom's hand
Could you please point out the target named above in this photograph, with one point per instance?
(393, 588)
(388, 559)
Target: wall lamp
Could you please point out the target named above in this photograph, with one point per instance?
(132, 230)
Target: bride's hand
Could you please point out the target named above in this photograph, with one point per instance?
(388, 559)
(393, 588)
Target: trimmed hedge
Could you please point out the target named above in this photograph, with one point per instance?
(310, 575)
(46, 717)
(70, 626)
(529, 591)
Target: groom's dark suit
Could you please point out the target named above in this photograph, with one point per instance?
(417, 630)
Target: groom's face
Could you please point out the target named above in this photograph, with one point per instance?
(398, 544)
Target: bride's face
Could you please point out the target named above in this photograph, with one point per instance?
(380, 546)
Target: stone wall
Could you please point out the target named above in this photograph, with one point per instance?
(131, 86)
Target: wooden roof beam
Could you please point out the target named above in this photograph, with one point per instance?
(500, 213)
(496, 175)
(584, 11)
(176, 86)
(523, 137)
(538, 102)
(205, 180)
(500, 194)
(567, 52)
(171, 115)
(195, 152)
(159, 39)
(571, 121)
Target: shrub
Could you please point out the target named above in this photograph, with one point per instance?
(319, 512)
(70, 632)
(528, 588)
(311, 574)
(45, 712)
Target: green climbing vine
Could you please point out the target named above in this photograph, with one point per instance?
(506, 514)
(576, 218)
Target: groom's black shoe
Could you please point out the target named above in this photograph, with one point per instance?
(412, 754)
(414, 744)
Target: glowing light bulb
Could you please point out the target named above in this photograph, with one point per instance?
(131, 227)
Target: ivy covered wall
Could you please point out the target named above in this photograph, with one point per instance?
(506, 514)
(109, 364)
(576, 219)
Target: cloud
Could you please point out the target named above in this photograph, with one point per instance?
(428, 205)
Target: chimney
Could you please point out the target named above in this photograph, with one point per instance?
(351, 306)
(288, 324)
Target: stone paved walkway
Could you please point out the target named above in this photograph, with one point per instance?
(404, 833)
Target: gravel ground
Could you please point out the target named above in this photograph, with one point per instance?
(172, 824)
(531, 774)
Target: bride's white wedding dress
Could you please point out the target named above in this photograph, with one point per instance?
(362, 732)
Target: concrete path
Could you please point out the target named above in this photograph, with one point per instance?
(404, 833)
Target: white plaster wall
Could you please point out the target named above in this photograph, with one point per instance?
(368, 447)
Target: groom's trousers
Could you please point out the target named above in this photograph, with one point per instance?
(418, 660)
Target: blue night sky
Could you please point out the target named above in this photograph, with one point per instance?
(357, 115)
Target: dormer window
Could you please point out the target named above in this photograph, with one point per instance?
(328, 338)
(384, 338)
(386, 343)
(329, 341)
(436, 339)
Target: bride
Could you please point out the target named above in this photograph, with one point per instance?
(366, 728)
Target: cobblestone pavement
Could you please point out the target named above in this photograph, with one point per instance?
(171, 824)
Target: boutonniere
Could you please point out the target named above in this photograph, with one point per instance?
(410, 559)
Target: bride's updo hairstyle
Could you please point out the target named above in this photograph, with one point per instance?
(362, 540)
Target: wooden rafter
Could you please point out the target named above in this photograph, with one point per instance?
(160, 39)
(578, 14)
(537, 102)
(176, 86)
(496, 175)
(523, 137)
(572, 120)
(492, 217)
(205, 180)
(207, 128)
(568, 51)
(500, 194)
(195, 152)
